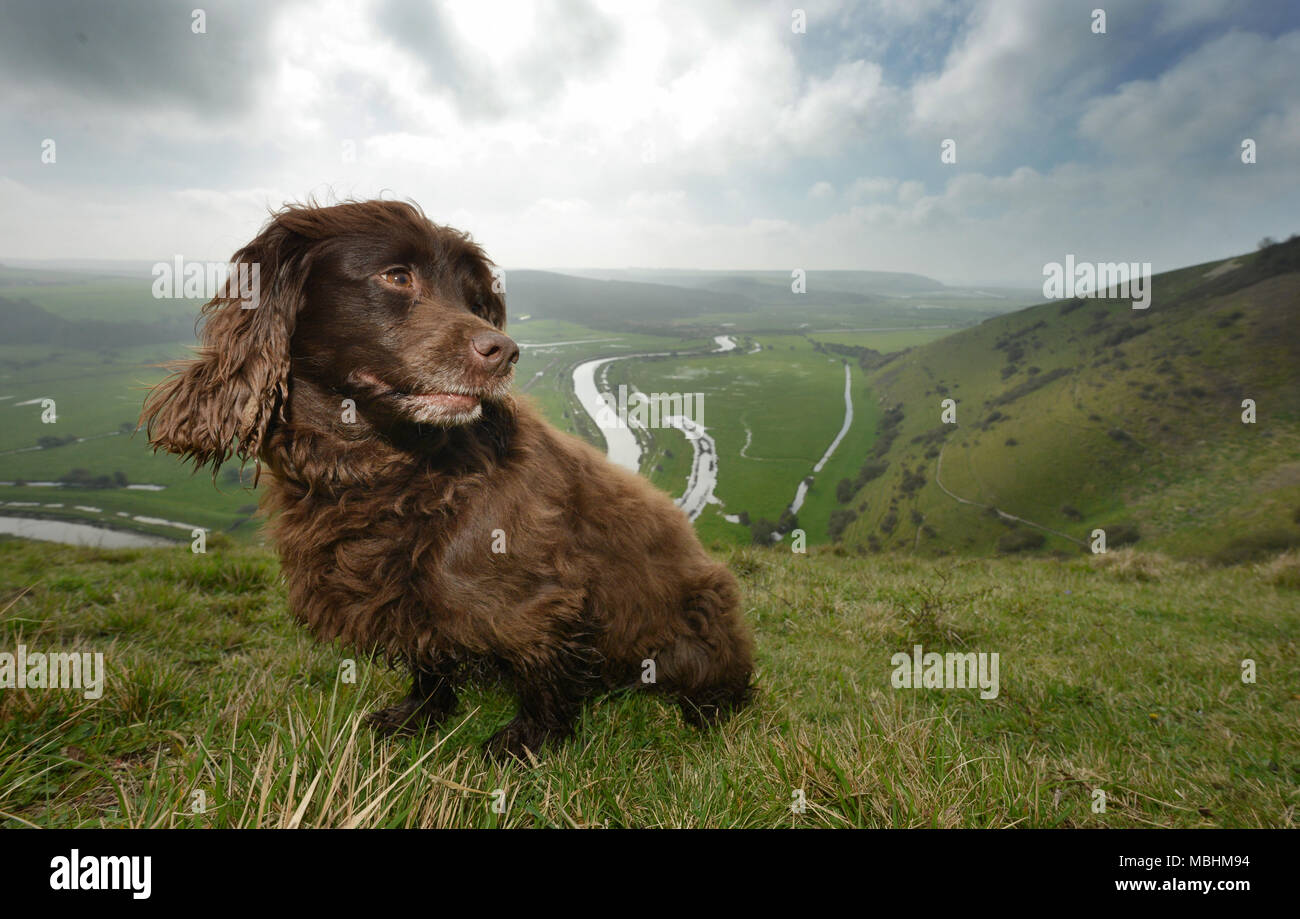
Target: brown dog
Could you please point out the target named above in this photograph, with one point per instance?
(419, 510)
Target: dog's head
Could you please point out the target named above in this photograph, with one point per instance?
(368, 304)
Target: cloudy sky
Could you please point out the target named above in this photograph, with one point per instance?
(700, 134)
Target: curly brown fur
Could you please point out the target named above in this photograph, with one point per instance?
(371, 382)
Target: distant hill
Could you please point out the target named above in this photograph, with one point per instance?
(654, 299)
(1085, 413)
(588, 300)
(884, 283)
(70, 270)
(25, 323)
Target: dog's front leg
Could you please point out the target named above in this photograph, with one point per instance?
(431, 701)
(551, 691)
(544, 717)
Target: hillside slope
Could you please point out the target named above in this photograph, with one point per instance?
(1086, 413)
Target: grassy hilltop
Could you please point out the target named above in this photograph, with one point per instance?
(1119, 673)
(1087, 414)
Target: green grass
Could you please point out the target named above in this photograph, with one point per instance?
(1119, 673)
(98, 398)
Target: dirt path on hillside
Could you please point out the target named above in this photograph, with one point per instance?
(938, 469)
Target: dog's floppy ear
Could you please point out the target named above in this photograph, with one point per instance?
(486, 284)
(223, 401)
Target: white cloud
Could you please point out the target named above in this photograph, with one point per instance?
(1205, 104)
(871, 187)
(911, 191)
(1020, 62)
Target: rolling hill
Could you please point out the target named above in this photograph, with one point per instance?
(1082, 414)
(601, 303)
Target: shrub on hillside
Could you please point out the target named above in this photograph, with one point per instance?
(83, 478)
(888, 431)
(1031, 385)
(845, 489)
(1257, 546)
(761, 531)
(1020, 540)
(913, 481)
(1121, 534)
(839, 522)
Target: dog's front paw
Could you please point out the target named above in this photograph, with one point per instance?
(406, 717)
(518, 739)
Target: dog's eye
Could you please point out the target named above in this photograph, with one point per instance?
(398, 277)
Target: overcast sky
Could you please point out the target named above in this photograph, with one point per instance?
(694, 135)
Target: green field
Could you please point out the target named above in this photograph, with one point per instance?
(1120, 674)
(97, 400)
(772, 414)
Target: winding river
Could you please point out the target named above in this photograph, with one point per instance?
(622, 445)
(78, 534)
(590, 381)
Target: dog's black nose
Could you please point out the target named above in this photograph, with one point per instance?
(493, 351)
